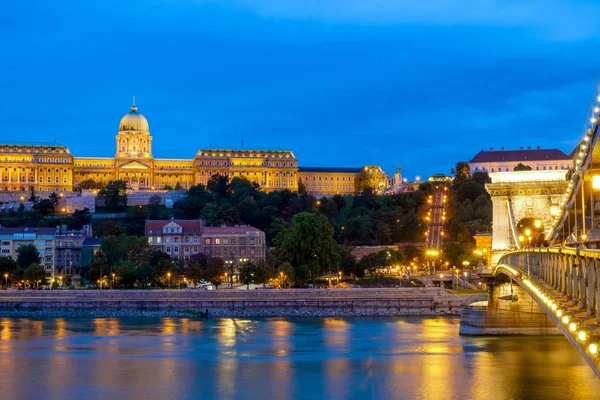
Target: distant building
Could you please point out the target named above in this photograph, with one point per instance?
(506, 160)
(68, 251)
(184, 238)
(50, 167)
(42, 238)
(328, 181)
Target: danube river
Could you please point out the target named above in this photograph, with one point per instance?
(329, 358)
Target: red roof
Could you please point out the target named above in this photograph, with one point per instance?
(520, 156)
(227, 230)
(39, 231)
(189, 225)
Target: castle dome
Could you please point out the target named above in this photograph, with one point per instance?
(134, 121)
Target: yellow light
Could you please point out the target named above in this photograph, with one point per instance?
(582, 335)
(554, 307)
(572, 326)
(538, 223)
(596, 182)
(565, 320)
(527, 232)
(593, 348)
(554, 209)
(558, 313)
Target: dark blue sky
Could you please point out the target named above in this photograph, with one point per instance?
(340, 82)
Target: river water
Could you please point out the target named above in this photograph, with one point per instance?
(283, 358)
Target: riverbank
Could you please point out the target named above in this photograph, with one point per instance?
(224, 303)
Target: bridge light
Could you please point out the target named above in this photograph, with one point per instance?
(593, 120)
(559, 313)
(582, 335)
(538, 223)
(572, 326)
(554, 307)
(565, 320)
(596, 182)
(586, 138)
(553, 209)
(593, 348)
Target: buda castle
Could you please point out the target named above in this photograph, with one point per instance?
(50, 167)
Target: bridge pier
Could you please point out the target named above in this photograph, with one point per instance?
(502, 316)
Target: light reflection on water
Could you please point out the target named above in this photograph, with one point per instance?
(330, 358)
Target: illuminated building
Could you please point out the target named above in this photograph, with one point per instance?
(506, 160)
(50, 167)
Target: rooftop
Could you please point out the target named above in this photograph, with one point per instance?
(520, 155)
(21, 143)
(342, 170)
(40, 231)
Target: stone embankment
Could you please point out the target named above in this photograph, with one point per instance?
(225, 303)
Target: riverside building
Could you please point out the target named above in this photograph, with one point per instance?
(50, 167)
(183, 239)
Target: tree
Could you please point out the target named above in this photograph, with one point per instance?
(215, 270)
(178, 186)
(32, 197)
(81, 217)
(35, 272)
(262, 273)
(44, 206)
(247, 271)
(461, 172)
(194, 273)
(7, 265)
(26, 255)
(522, 167)
(219, 184)
(285, 272)
(126, 271)
(115, 196)
(54, 199)
(362, 182)
(301, 187)
(310, 243)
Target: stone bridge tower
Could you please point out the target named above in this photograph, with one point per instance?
(523, 194)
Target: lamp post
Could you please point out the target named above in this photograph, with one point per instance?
(6, 280)
(465, 275)
(169, 277)
(466, 264)
(113, 283)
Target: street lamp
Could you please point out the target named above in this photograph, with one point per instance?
(169, 276)
(465, 275)
(113, 283)
(6, 280)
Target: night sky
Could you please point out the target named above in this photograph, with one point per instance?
(344, 83)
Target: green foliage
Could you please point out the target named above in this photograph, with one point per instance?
(115, 196)
(178, 186)
(7, 266)
(215, 271)
(301, 187)
(219, 184)
(44, 206)
(35, 272)
(91, 184)
(309, 242)
(362, 182)
(522, 167)
(26, 255)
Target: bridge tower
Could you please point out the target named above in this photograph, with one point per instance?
(520, 195)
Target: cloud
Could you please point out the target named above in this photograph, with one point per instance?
(554, 19)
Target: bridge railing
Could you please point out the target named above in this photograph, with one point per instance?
(565, 282)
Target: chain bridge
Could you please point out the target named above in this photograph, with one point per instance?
(555, 268)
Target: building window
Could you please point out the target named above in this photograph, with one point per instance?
(217, 241)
